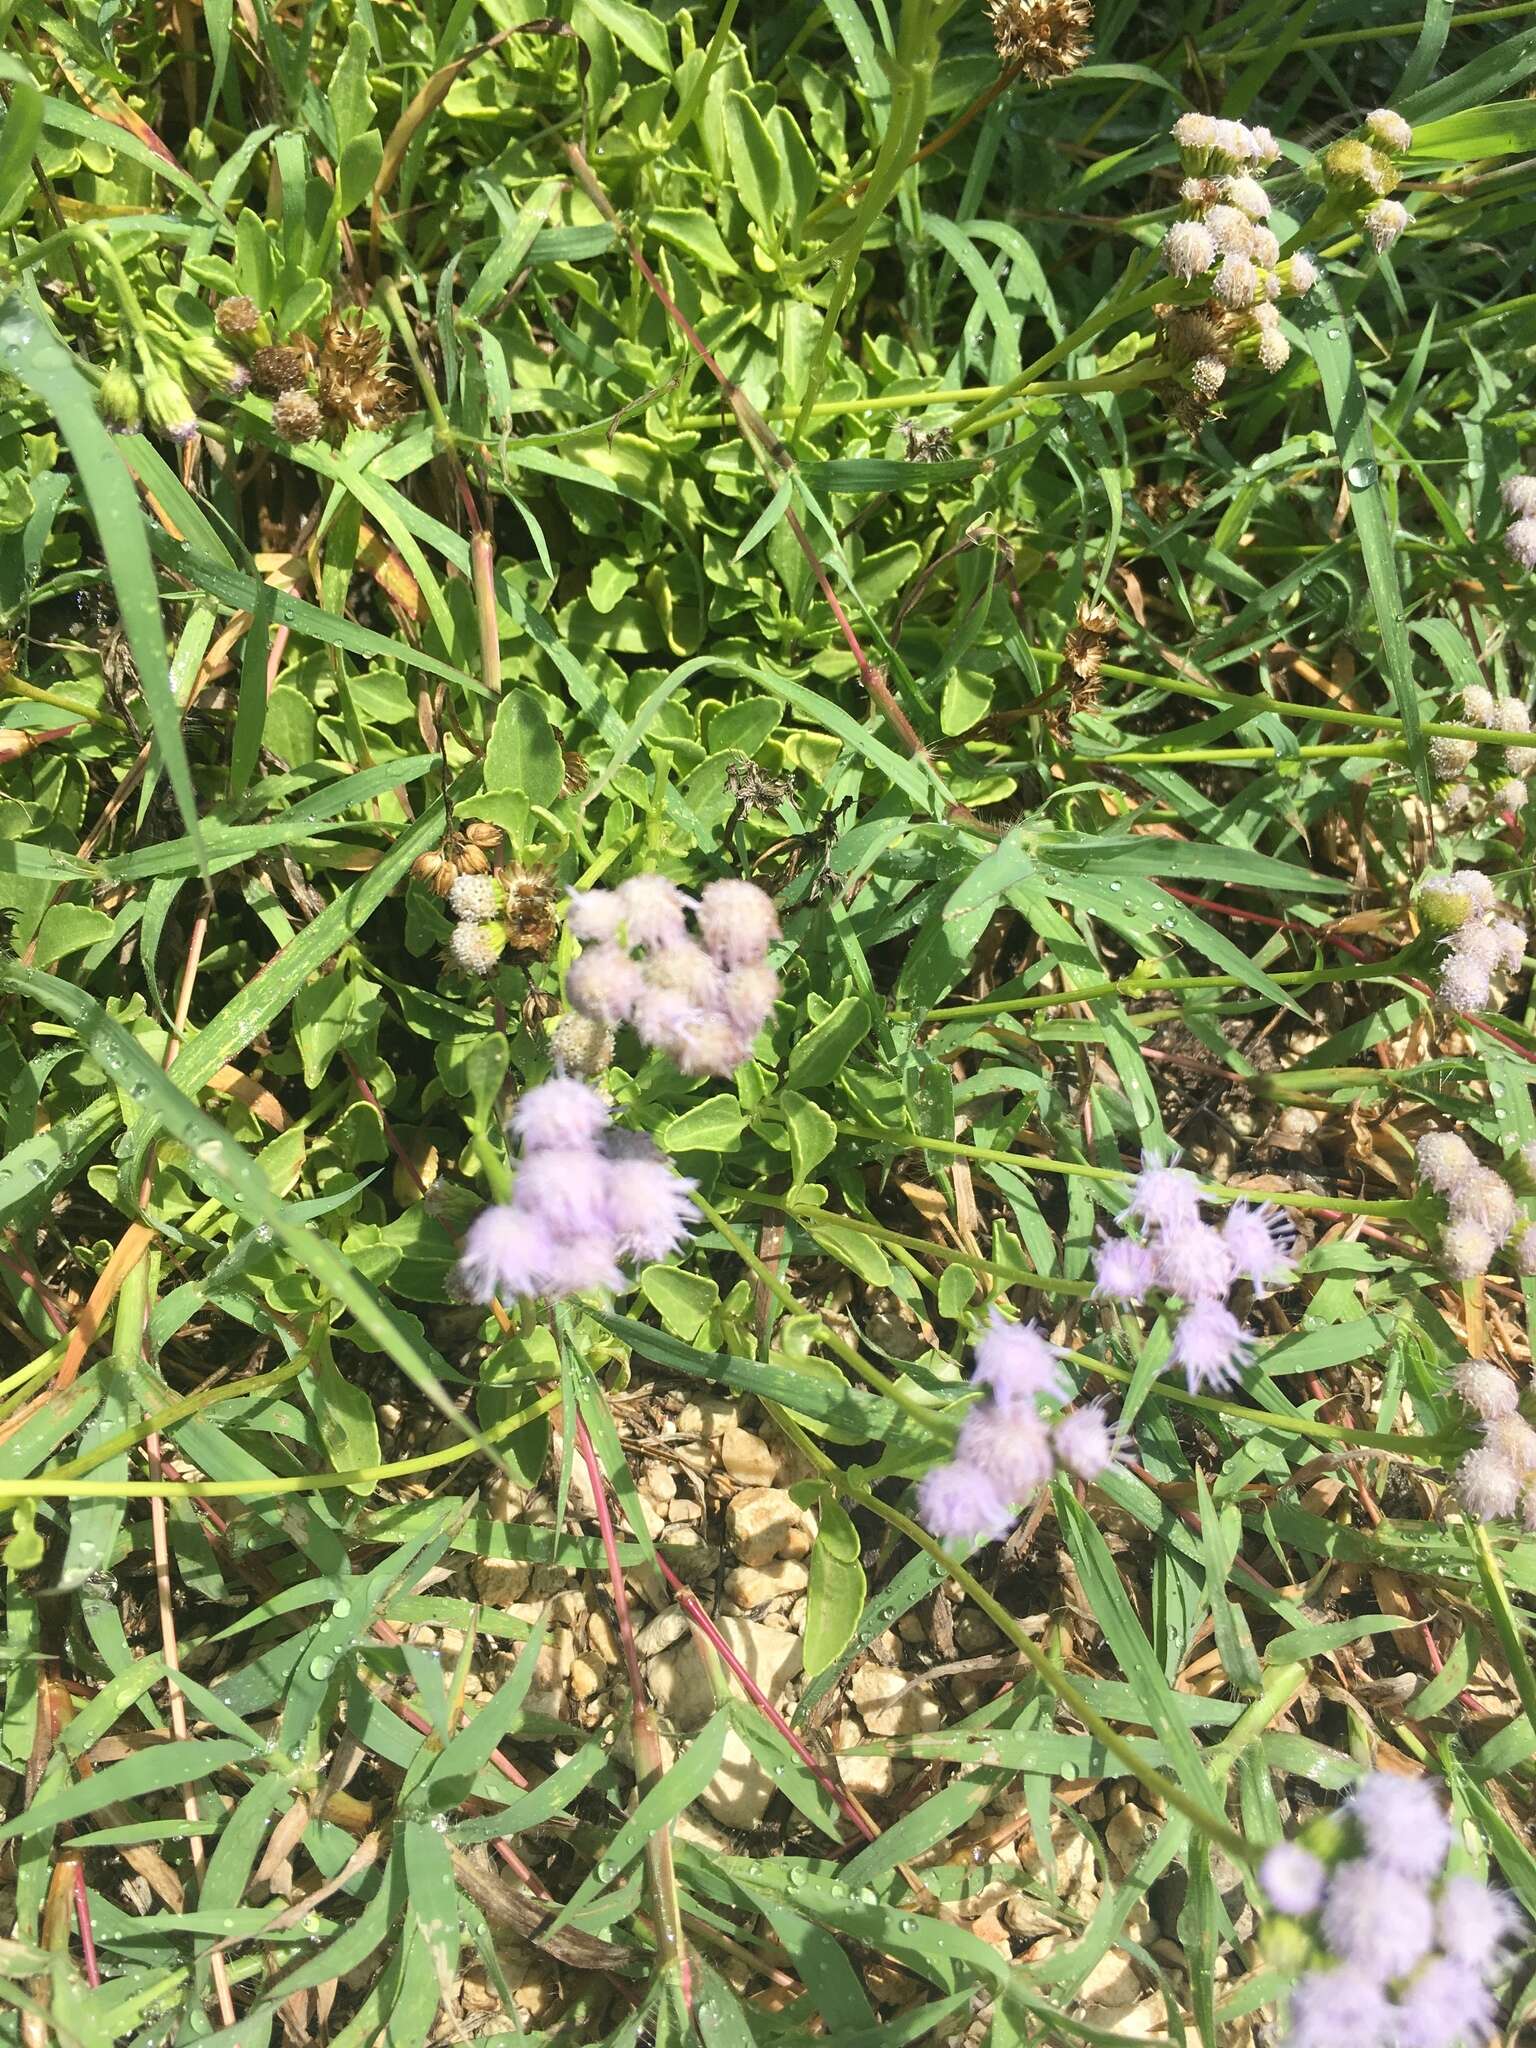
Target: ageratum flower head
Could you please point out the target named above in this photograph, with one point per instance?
(1014, 1441)
(1393, 1952)
(584, 1198)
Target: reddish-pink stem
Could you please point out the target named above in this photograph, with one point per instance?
(749, 1685)
(87, 1938)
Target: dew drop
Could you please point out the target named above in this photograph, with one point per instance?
(606, 1873)
(907, 1924)
(321, 1667)
(1361, 475)
(868, 1897)
(341, 1609)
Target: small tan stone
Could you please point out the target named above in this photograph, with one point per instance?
(498, 1581)
(688, 1554)
(1111, 1985)
(739, 1792)
(761, 1523)
(874, 1686)
(681, 1684)
(1126, 1837)
(1148, 2020)
(747, 1458)
(752, 1586)
(660, 1633)
(659, 1481)
(707, 1419)
(683, 1511)
(601, 1640)
(585, 1680)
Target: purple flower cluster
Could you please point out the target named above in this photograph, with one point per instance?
(1499, 1477)
(1014, 1441)
(1519, 495)
(1178, 1253)
(1483, 1214)
(1399, 1954)
(700, 1001)
(1481, 939)
(585, 1197)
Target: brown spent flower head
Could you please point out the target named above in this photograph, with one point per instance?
(296, 416)
(461, 853)
(530, 911)
(349, 344)
(1045, 39)
(577, 774)
(279, 368)
(236, 319)
(361, 398)
(926, 444)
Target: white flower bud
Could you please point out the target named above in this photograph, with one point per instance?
(1449, 758)
(1274, 351)
(1237, 283)
(1520, 543)
(1477, 703)
(1383, 223)
(1207, 374)
(474, 898)
(1249, 197)
(1300, 274)
(475, 948)
(1264, 248)
(1389, 131)
(1266, 149)
(1188, 250)
(1519, 496)
(1230, 229)
(1195, 132)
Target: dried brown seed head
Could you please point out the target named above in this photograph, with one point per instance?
(1045, 39)
(237, 318)
(279, 368)
(296, 416)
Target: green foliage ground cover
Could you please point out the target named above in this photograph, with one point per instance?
(772, 461)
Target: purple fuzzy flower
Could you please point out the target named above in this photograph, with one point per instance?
(581, 1265)
(1379, 1921)
(1162, 1197)
(649, 1207)
(1405, 1827)
(1474, 1924)
(1445, 2006)
(1018, 1363)
(737, 921)
(1260, 1241)
(567, 1190)
(1084, 1442)
(1339, 2008)
(503, 1253)
(559, 1114)
(1123, 1270)
(1193, 1261)
(1010, 1448)
(957, 1504)
(593, 915)
(1294, 1878)
(653, 911)
(604, 983)
(1211, 1345)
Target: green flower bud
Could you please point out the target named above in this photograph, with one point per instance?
(118, 400)
(1442, 909)
(1285, 1945)
(168, 406)
(208, 363)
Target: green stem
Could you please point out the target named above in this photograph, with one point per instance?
(1199, 1816)
(1117, 309)
(1137, 985)
(872, 1377)
(1034, 1162)
(1505, 1620)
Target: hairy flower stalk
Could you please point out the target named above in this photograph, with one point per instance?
(1386, 1950)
